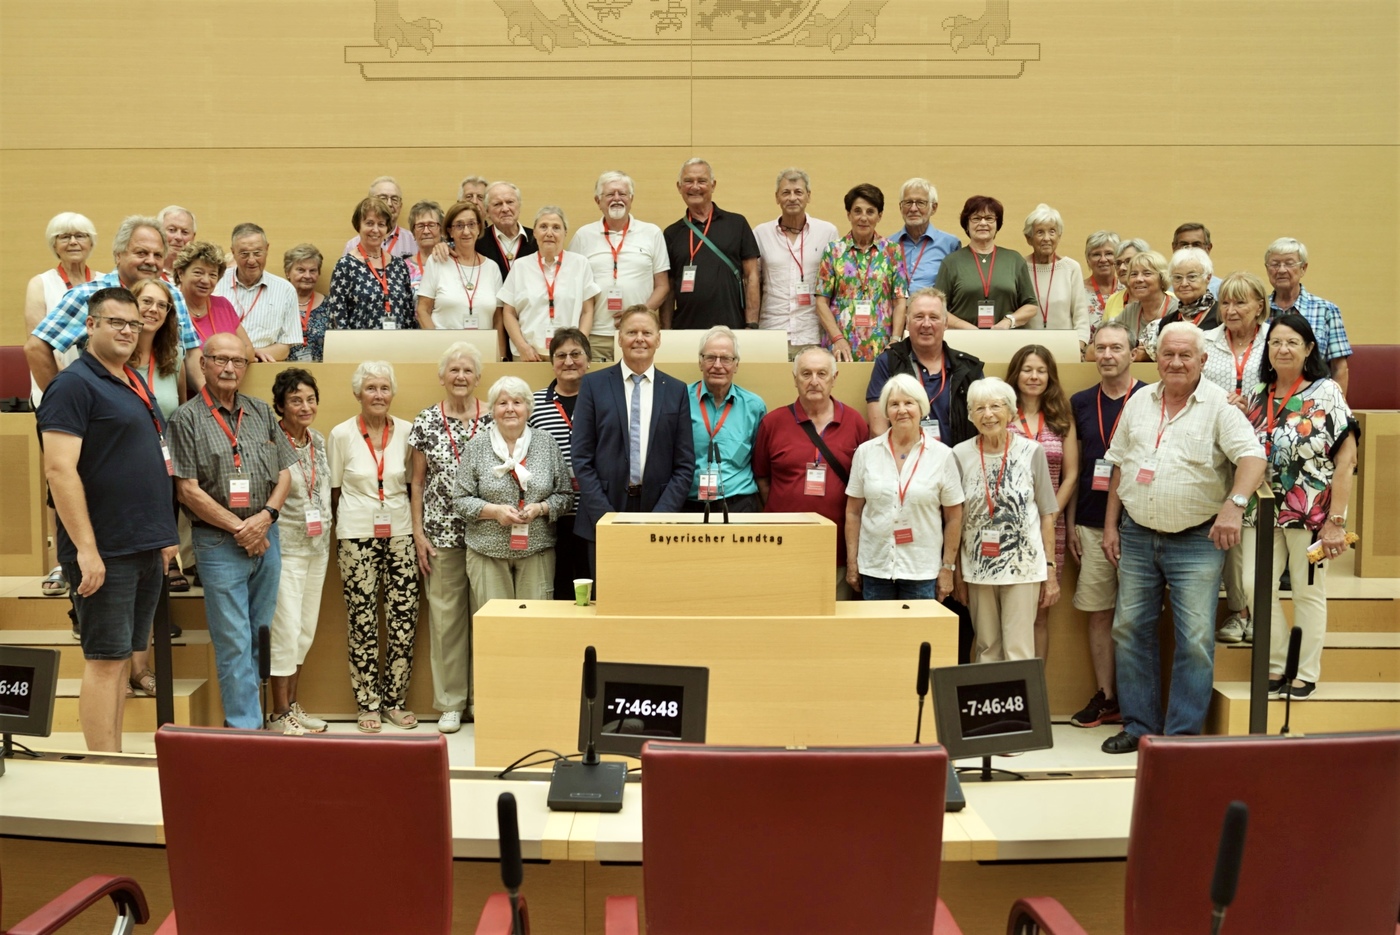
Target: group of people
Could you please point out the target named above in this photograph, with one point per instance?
(952, 485)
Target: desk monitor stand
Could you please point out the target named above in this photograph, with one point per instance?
(989, 773)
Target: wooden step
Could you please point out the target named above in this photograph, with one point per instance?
(1335, 706)
(191, 706)
(30, 610)
(1346, 657)
(191, 654)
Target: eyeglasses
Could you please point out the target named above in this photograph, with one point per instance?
(914, 203)
(575, 354)
(73, 235)
(427, 226)
(988, 218)
(222, 362)
(124, 324)
(1276, 265)
(392, 199)
(464, 225)
(159, 305)
(1290, 343)
(1190, 279)
(709, 360)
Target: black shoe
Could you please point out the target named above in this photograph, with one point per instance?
(1121, 742)
(1299, 693)
(1099, 710)
(176, 631)
(1276, 688)
(192, 573)
(1285, 581)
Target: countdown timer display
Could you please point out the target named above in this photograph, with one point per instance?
(643, 710)
(994, 708)
(16, 690)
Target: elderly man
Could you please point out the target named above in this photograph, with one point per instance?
(628, 257)
(1195, 234)
(924, 246)
(1185, 463)
(266, 303)
(945, 372)
(724, 421)
(505, 239)
(180, 229)
(802, 456)
(790, 256)
(714, 259)
(138, 250)
(231, 468)
(400, 242)
(104, 458)
(1287, 261)
(632, 445)
(473, 191)
(1096, 414)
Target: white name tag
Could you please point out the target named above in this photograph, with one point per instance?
(930, 425)
(238, 492)
(816, 481)
(520, 537)
(1103, 473)
(688, 279)
(1147, 471)
(615, 298)
(802, 298)
(313, 523)
(388, 324)
(991, 543)
(864, 315)
(986, 314)
(709, 486)
(383, 525)
(165, 453)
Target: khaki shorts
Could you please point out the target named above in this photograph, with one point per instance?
(602, 347)
(1098, 579)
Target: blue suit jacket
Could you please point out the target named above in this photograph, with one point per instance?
(601, 447)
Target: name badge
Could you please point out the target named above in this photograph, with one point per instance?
(165, 453)
(469, 323)
(1147, 471)
(548, 343)
(520, 537)
(903, 535)
(238, 492)
(986, 314)
(1103, 473)
(388, 324)
(709, 486)
(865, 315)
(383, 525)
(615, 298)
(991, 543)
(802, 298)
(816, 480)
(930, 425)
(313, 523)
(688, 279)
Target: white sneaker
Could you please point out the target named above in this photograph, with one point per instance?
(287, 724)
(313, 725)
(450, 722)
(1232, 631)
(1249, 630)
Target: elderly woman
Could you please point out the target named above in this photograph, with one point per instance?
(197, 270)
(987, 286)
(425, 218)
(1125, 251)
(458, 291)
(1190, 272)
(1310, 442)
(1008, 528)
(370, 287)
(304, 528)
(1065, 308)
(1100, 254)
(512, 487)
(552, 411)
(904, 505)
(550, 291)
(439, 436)
(369, 473)
(1043, 415)
(1149, 301)
(861, 283)
(302, 267)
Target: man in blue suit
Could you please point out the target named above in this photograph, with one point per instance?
(632, 446)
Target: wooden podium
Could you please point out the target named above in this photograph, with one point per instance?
(789, 665)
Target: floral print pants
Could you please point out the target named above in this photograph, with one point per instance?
(367, 568)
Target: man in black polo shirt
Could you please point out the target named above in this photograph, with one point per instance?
(714, 260)
(108, 470)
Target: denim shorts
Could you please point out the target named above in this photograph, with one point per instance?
(116, 621)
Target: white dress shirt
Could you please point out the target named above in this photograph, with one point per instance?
(648, 388)
(779, 309)
(267, 309)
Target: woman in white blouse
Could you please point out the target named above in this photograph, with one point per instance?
(548, 291)
(460, 291)
(1059, 280)
(369, 472)
(903, 505)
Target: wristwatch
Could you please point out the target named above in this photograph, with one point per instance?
(275, 513)
(1049, 563)
(1337, 519)
(1239, 500)
(750, 324)
(947, 567)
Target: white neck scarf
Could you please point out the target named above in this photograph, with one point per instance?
(511, 463)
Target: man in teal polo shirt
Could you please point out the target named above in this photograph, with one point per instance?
(724, 421)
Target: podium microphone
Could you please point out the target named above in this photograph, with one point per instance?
(719, 489)
(921, 686)
(589, 785)
(512, 871)
(1290, 672)
(264, 664)
(1227, 863)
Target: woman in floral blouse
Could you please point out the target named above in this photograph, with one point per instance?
(862, 284)
(370, 287)
(1309, 440)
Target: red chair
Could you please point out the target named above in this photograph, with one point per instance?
(760, 840)
(125, 893)
(1373, 380)
(1321, 854)
(14, 373)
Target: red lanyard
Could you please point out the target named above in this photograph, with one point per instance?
(1271, 414)
(442, 410)
(232, 436)
(393, 242)
(383, 450)
(470, 289)
(68, 283)
(905, 489)
(549, 283)
(694, 249)
(618, 249)
(1035, 280)
(1039, 426)
(1162, 422)
(507, 258)
(418, 260)
(209, 317)
(1242, 359)
(306, 315)
(1098, 401)
(917, 260)
(134, 382)
(991, 270)
(801, 247)
(1197, 320)
(872, 256)
(381, 275)
(706, 413)
(563, 413)
(311, 447)
(242, 313)
(987, 481)
(1103, 303)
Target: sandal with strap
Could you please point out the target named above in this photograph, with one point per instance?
(54, 584)
(368, 722)
(177, 582)
(144, 683)
(402, 718)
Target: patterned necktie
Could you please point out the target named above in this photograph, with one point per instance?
(634, 429)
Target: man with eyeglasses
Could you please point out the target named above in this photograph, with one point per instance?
(232, 463)
(724, 422)
(103, 437)
(924, 246)
(790, 256)
(138, 250)
(400, 242)
(1195, 234)
(266, 303)
(1286, 261)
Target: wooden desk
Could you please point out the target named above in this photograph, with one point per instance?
(1373, 512)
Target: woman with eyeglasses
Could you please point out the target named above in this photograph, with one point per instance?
(548, 291)
(370, 286)
(198, 268)
(302, 267)
(1309, 438)
(1189, 273)
(1101, 284)
(1059, 282)
(458, 292)
(425, 218)
(987, 286)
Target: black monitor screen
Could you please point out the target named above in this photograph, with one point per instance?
(637, 702)
(643, 710)
(16, 690)
(994, 709)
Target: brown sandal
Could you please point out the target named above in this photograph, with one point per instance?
(368, 722)
(402, 718)
(144, 683)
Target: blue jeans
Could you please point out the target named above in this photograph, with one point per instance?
(240, 597)
(898, 589)
(1190, 564)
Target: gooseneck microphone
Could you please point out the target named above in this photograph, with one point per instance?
(512, 870)
(590, 692)
(264, 666)
(1290, 672)
(921, 686)
(589, 784)
(1227, 863)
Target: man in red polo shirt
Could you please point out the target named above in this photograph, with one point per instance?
(802, 457)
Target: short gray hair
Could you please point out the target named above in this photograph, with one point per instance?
(815, 349)
(129, 226)
(990, 389)
(460, 349)
(1100, 238)
(1137, 243)
(1043, 214)
(793, 174)
(1115, 324)
(425, 207)
(385, 178)
(695, 161)
(68, 222)
(917, 182)
(906, 385)
(470, 180)
(373, 368)
(495, 185)
(555, 210)
(300, 253)
(1286, 245)
(720, 331)
(927, 292)
(246, 228)
(1197, 336)
(1187, 254)
(515, 388)
(607, 178)
(176, 209)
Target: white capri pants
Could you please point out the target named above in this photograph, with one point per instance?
(298, 603)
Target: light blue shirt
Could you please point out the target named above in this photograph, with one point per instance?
(934, 244)
(734, 438)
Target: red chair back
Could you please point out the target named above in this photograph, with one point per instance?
(14, 373)
(749, 840)
(1373, 380)
(1322, 851)
(365, 823)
